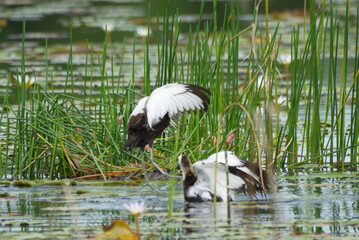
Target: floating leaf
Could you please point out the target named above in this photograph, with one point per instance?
(120, 230)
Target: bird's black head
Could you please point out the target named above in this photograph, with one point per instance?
(185, 165)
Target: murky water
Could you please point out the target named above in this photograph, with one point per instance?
(305, 206)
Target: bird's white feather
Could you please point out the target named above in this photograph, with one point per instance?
(200, 189)
(140, 107)
(205, 171)
(233, 161)
(195, 102)
(180, 105)
(187, 101)
(172, 99)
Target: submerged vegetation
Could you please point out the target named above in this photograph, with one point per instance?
(307, 115)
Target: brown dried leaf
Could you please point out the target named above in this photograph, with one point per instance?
(120, 230)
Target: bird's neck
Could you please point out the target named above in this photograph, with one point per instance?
(189, 178)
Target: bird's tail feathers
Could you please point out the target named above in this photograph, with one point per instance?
(253, 183)
(268, 180)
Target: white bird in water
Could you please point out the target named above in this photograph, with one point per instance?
(244, 177)
(153, 113)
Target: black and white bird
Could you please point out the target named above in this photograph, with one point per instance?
(244, 177)
(153, 113)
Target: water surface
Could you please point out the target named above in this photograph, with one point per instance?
(304, 206)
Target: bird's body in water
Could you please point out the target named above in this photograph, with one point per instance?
(244, 177)
(153, 113)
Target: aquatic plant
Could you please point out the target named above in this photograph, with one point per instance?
(136, 209)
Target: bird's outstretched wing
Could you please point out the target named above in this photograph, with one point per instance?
(234, 162)
(173, 99)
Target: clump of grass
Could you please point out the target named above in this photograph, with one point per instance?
(64, 135)
(4, 195)
(22, 183)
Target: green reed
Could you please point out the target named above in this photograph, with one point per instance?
(354, 135)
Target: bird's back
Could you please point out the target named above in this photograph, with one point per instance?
(139, 134)
(244, 177)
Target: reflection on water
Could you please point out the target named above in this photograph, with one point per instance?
(301, 207)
